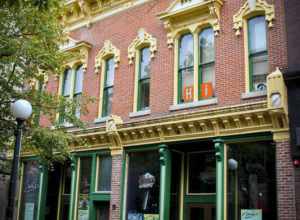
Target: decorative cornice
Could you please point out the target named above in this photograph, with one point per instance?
(191, 17)
(142, 39)
(77, 53)
(107, 50)
(261, 7)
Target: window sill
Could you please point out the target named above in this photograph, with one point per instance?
(140, 113)
(206, 102)
(255, 94)
(101, 119)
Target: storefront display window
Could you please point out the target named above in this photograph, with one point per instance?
(104, 173)
(30, 191)
(143, 185)
(251, 181)
(84, 188)
(202, 172)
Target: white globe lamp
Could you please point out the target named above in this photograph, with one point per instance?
(21, 109)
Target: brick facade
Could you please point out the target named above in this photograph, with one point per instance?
(123, 27)
(285, 172)
(115, 202)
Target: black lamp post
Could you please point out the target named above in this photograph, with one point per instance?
(21, 110)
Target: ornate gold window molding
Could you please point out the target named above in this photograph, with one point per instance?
(107, 51)
(189, 17)
(261, 7)
(143, 40)
(183, 16)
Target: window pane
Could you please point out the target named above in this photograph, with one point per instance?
(78, 80)
(84, 187)
(31, 185)
(67, 82)
(77, 100)
(186, 53)
(202, 172)
(251, 180)
(208, 80)
(257, 34)
(107, 101)
(207, 48)
(104, 175)
(110, 72)
(187, 84)
(144, 93)
(143, 185)
(260, 68)
(145, 63)
(102, 210)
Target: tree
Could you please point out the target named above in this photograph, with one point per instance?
(29, 53)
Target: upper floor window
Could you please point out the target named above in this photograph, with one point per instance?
(144, 80)
(108, 87)
(78, 89)
(206, 63)
(258, 53)
(71, 88)
(186, 69)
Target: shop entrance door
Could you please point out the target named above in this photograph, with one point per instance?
(102, 210)
(193, 192)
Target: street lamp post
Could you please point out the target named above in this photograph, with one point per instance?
(21, 110)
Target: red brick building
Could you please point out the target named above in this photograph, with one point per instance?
(191, 117)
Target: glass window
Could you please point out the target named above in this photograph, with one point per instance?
(102, 210)
(78, 85)
(66, 192)
(251, 181)
(30, 192)
(143, 185)
(144, 79)
(202, 172)
(186, 69)
(258, 53)
(108, 87)
(104, 173)
(84, 187)
(66, 87)
(206, 64)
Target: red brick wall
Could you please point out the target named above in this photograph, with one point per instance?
(297, 191)
(115, 202)
(285, 172)
(122, 28)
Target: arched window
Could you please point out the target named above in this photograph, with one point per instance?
(108, 87)
(258, 53)
(78, 85)
(186, 69)
(206, 63)
(144, 79)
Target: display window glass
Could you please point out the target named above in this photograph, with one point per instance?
(143, 184)
(30, 190)
(251, 183)
(104, 173)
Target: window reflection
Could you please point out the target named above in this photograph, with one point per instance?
(251, 181)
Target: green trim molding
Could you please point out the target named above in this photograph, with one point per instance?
(165, 182)
(220, 160)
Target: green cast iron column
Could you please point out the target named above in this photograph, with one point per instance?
(219, 147)
(42, 192)
(92, 210)
(165, 182)
(74, 164)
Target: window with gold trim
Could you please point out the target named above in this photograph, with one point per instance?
(196, 66)
(71, 88)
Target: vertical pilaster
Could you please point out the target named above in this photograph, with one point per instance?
(42, 192)
(115, 201)
(220, 160)
(285, 178)
(73, 197)
(165, 182)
